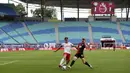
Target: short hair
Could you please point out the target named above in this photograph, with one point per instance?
(83, 39)
(66, 38)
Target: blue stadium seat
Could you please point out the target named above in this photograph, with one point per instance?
(125, 27)
(104, 28)
(74, 30)
(4, 37)
(7, 9)
(12, 28)
(43, 32)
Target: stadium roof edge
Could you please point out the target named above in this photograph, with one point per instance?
(73, 3)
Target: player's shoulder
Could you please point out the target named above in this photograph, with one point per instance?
(69, 42)
(63, 44)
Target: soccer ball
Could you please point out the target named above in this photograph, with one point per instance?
(64, 68)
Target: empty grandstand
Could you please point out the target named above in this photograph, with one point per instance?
(36, 34)
(93, 28)
(47, 31)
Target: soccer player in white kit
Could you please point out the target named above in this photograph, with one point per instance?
(67, 52)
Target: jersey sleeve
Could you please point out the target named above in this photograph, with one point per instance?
(86, 45)
(79, 45)
(62, 44)
(71, 44)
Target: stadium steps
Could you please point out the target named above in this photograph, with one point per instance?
(5, 36)
(125, 27)
(18, 26)
(44, 32)
(10, 30)
(29, 32)
(120, 32)
(90, 33)
(56, 33)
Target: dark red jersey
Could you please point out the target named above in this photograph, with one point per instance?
(81, 47)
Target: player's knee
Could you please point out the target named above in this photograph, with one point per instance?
(84, 62)
(64, 58)
(68, 60)
(75, 58)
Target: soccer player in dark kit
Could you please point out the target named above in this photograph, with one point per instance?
(79, 54)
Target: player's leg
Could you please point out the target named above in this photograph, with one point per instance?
(114, 49)
(67, 59)
(74, 59)
(63, 60)
(85, 62)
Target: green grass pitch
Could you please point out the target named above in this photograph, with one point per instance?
(103, 61)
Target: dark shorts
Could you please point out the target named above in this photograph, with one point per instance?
(79, 55)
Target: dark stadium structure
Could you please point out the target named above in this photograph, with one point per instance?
(76, 4)
(73, 3)
(29, 44)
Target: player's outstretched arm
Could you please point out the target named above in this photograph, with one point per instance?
(74, 46)
(86, 45)
(58, 49)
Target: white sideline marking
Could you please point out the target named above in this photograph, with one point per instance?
(9, 62)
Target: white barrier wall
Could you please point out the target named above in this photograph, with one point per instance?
(109, 18)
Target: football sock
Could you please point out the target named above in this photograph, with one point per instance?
(72, 63)
(86, 63)
(62, 60)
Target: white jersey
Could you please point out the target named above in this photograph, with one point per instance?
(67, 47)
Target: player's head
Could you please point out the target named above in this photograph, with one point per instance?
(83, 40)
(66, 39)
